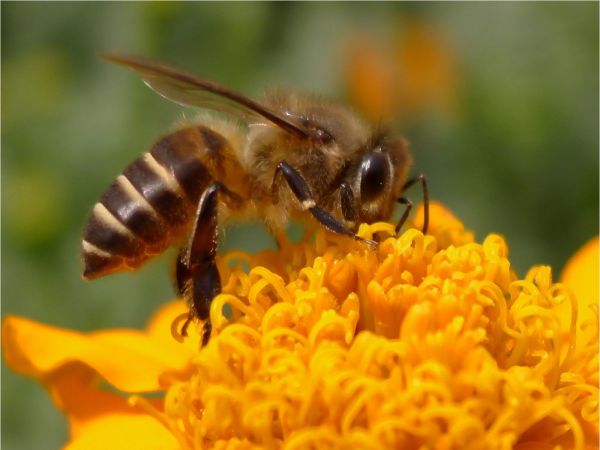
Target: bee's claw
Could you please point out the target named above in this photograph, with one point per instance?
(183, 332)
(371, 243)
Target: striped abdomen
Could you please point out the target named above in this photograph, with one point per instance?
(149, 205)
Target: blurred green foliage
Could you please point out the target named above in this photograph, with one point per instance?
(520, 157)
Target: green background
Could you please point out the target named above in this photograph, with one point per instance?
(520, 158)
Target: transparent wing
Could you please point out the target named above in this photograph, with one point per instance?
(187, 89)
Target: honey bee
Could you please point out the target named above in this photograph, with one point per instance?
(290, 156)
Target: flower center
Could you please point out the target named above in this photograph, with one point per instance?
(429, 340)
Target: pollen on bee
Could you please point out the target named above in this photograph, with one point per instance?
(308, 204)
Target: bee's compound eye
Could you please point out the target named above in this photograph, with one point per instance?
(375, 175)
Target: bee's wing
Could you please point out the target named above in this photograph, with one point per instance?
(187, 89)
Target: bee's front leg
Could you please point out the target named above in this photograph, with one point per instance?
(348, 203)
(302, 192)
(197, 276)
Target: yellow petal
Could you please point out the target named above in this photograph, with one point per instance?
(104, 420)
(581, 273)
(129, 360)
(160, 326)
(124, 432)
(446, 228)
(581, 276)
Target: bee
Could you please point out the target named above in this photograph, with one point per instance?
(290, 156)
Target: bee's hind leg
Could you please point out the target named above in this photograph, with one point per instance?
(196, 273)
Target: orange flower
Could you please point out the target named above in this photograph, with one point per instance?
(428, 341)
(414, 73)
(74, 366)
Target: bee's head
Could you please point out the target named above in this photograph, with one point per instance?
(375, 167)
(377, 176)
(371, 165)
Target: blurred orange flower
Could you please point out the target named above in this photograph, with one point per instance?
(415, 73)
(429, 341)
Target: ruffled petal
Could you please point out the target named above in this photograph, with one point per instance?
(476, 355)
(129, 360)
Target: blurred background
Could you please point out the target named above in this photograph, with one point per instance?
(499, 101)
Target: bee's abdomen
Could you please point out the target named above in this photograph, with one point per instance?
(146, 208)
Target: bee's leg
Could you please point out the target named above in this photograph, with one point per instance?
(197, 276)
(302, 192)
(409, 206)
(348, 203)
(423, 179)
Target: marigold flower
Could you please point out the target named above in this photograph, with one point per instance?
(428, 342)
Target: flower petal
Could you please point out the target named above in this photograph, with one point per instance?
(160, 326)
(124, 432)
(444, 225)
(129, 360)
(581, 276)
(100, 419)
(581, 273)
